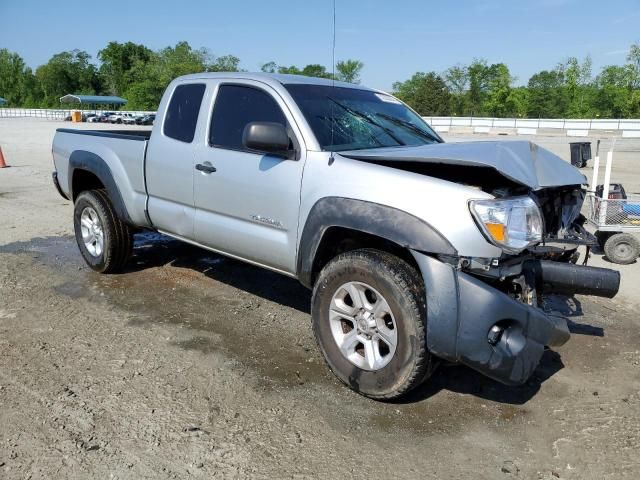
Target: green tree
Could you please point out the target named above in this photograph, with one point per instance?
(457, 78)
(633, 107)
(427, 93)
(479, 76)
(546, 95)
(577, 86)
(349, 70)
(269, 67)
(147, 86)
(518, 101)
(292, 70)
(17, 83)
(141, 75)
(226, 63)
(634, 61)
(316, 70)
(67, 72)
(182, 60)
(118, 59)
(499, 101)
(311, 70)
(150, 77)
(614, 91)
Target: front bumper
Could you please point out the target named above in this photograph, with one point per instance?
(460, 313)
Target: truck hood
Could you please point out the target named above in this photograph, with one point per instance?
(523, 162)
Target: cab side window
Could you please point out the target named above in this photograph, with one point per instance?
(182, 113)
(235, 107)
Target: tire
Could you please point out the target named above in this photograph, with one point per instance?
(401, 288)
(93, 208)
(622, 248)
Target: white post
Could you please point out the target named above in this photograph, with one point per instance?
(605, 187)
(594, 178)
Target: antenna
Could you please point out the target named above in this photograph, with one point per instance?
(333, 46)
(333, 78)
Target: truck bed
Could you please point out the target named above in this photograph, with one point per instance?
(123, 134)
(116, 156)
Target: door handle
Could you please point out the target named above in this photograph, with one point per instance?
(205, 168)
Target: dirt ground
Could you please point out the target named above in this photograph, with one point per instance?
(194, 365)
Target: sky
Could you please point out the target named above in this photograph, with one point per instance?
(394, 39)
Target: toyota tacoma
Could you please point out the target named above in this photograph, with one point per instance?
(417, 251)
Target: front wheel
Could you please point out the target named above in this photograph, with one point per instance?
(368, 313)
(105, 242)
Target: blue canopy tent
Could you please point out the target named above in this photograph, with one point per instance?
(93, 99)
(90, 102)
(2, 101)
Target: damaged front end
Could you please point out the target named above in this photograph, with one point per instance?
(495, 321)
(488, 313)
(492, 318)
(563, 223)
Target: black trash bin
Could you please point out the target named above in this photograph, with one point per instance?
(580, 153)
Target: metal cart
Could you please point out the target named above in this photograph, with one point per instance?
(614, 214)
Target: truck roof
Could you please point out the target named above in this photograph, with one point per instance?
(273, 78)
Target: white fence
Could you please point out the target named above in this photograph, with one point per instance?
(49, 113)
(541, 123)
(524, 126)
(56, 114)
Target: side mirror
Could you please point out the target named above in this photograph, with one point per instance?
(268, 137)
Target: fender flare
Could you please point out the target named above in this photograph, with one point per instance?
(386, 222)
(90, 162)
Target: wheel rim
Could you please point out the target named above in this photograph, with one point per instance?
(624, 250)
(363, 326)
(92, 232)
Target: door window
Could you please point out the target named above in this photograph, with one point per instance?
(182, 114)
(235, 107)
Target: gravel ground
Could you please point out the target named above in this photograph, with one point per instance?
(194, 365)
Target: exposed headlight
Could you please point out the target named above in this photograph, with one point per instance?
(512, 224)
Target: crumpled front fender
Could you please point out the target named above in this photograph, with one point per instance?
(461, 310)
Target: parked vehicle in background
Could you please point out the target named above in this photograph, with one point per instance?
(146, 119)
(415, 250)
(105, 116)
(95, 118)
(121, 118)
(130, 119)
(85, 117)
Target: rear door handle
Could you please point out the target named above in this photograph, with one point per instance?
(205, 168)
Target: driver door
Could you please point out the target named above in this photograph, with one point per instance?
(247, 203)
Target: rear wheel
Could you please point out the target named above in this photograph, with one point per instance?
(622, 248)
(368, 310)
(105, 242)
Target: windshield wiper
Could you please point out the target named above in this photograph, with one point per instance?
(368, 119)
(410, 126)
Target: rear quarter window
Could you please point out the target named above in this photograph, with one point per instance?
(182, 113)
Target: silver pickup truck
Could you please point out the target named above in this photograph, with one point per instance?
(417, 251)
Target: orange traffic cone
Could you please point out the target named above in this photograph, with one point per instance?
(3, 164)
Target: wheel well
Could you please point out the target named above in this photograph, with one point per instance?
(337, 240)
(84, 180)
